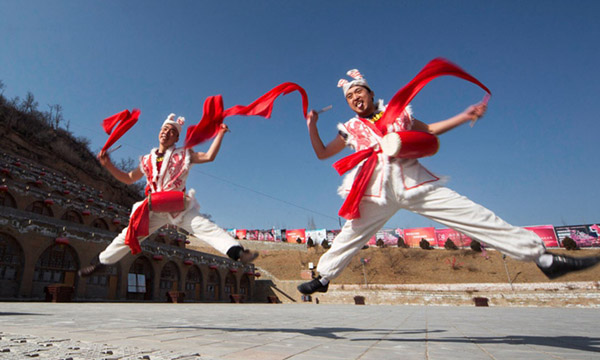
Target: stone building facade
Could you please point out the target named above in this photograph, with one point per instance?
(50, 226)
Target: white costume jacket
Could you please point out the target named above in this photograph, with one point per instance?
(408, 176)
(172, 175)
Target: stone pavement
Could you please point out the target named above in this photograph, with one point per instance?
(30, 330)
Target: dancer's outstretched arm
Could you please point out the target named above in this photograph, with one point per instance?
(127, 178)
(322, 151)
(211, 154)
(472, 113)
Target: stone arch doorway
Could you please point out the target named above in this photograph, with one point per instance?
(169, 278)
(140, 279)
(12, 262)
(245, 287)
(193, 284)
(213, 285)
(103, 284)
(230, 285)
(58, 264)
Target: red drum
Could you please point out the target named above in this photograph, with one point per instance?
(410, 144)
(166, 201)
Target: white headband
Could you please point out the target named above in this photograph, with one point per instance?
(358, 81)
(178, 124)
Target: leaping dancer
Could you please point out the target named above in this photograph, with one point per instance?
(166, 169)
(388, 177)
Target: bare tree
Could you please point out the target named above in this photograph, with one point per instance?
(126, 164)
(56, 116)
(29, 105)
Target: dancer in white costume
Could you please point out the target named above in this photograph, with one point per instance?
(166, 169)
(399, 183)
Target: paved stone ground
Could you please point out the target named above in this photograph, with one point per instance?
(297, 332)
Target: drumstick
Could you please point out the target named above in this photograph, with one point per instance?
(485, 100)
(113, 150)
(326, 108)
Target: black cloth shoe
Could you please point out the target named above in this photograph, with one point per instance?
(90, 269)
(312, 286)
(563, 264)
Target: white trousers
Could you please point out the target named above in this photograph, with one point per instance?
(442, 205)
(191, 221)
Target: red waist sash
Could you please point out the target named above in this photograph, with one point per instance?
(164, 201)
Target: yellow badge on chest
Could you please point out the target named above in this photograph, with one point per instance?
(376, 117)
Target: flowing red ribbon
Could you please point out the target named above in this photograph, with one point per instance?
(214, 114)
(138, 227)
(121, 122)
(349, 209)
(435, 68)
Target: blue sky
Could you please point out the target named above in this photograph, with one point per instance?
(532, 159)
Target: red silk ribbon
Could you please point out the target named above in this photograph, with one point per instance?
(213, 115)
(349, 209)
(138, 227)
(435, 68)
(120, 122)
(163, 201)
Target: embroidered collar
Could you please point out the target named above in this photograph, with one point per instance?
(373, 119)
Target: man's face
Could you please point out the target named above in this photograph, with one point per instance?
(168, 135)
(360, 100)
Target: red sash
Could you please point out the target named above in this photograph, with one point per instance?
(163, 201)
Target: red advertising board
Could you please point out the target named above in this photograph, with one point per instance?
(442, 235)
(465, 240)
(412, 237)
(240, 233)
(546, 232)
(293, 235)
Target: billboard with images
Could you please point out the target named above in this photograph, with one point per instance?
(584, 235)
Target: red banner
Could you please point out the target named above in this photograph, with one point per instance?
(466, 241)
(240, 233)
(293, 235)
(412, 237)
(546, 233)
(442, 235)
